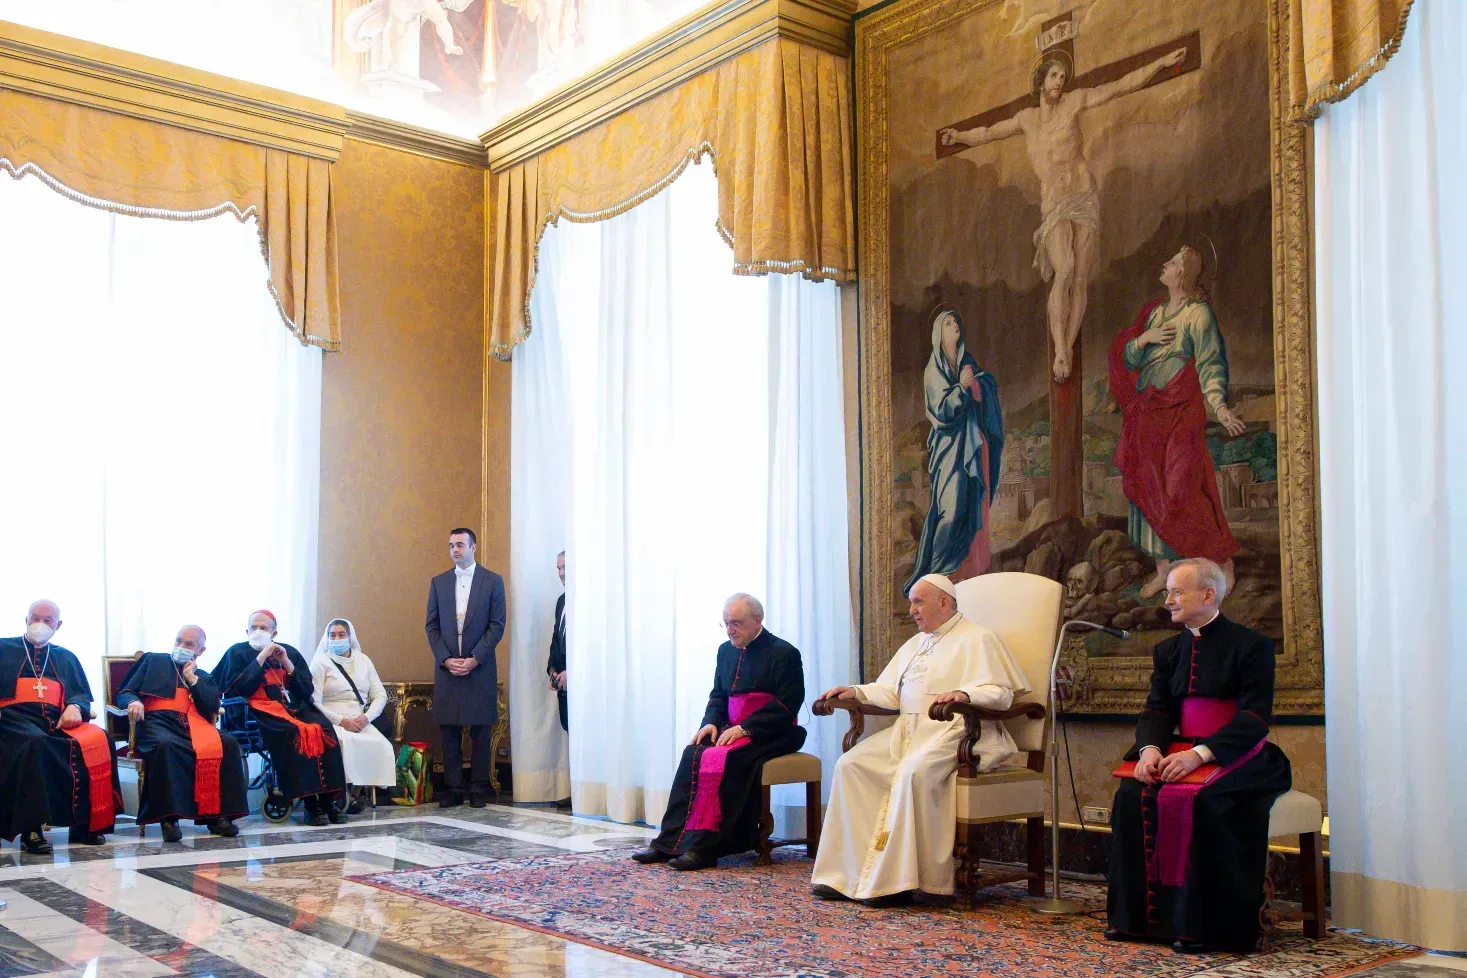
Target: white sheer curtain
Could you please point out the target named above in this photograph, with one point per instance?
(160, 431)
(1392, 344)
(702, 453)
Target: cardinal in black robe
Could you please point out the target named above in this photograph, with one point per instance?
(190, 768)
(275, 681)
(758, 688)
(1190, 828)
(55, 767)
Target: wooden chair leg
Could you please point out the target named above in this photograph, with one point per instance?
(1311, 867)
(1034, 847)
(966, 849)
(812, 818)
(766, 829)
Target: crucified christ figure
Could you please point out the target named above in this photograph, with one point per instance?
(1065, 244)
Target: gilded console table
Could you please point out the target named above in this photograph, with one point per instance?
(404, 696)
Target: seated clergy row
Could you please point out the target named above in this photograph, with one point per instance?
(1187, 860)
(56, 769)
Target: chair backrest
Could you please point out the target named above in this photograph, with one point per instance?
(1024, 609)
(114, 670)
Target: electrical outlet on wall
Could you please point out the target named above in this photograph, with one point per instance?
(1095, 815)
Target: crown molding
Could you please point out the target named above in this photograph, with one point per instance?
(80, 72)
(403, 136)
(707, 37)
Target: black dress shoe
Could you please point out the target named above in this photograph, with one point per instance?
(450, 799)
(1184, 946)
(1111, 934)
(690, 861)
(86, 838)
(823, 892)
(317, 817)
(223, 827)
(335, 816)
(171, 831)
(901, 899)
(477, 801)
(649, 855)
(357, 806)
(35, 844)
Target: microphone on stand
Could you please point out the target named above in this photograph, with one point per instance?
(1056, 905)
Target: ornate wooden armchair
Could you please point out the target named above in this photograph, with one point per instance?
(1024, 609)
(121, 728)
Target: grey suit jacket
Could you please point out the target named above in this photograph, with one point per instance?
(469, 700)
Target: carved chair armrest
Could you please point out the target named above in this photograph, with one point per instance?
(858, 711)
(132, 728)
(972, 722)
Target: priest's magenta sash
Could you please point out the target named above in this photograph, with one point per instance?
(96, 749)
(706, 811)
(1202, 716)
(208, 747)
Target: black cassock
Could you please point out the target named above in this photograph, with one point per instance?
(298, 774)
(43, 775)
(769, 666)
(1219, 900)
(166, 745)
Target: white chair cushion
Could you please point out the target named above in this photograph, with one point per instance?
(792, 769)
(1295, 813)
(1008, 792)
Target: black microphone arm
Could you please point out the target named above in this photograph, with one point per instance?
(1113, 632)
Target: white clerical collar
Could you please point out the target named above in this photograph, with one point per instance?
(1198, 630)
(751, 641)
(930, 639)
(461, 571)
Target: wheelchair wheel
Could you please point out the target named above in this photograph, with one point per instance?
(276, 808)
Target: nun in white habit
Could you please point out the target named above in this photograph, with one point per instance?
(890, 826)
(350, 693)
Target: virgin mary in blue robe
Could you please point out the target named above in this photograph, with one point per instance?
(966, 419)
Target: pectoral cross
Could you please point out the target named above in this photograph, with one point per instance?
(1048, 119)
(40, 688)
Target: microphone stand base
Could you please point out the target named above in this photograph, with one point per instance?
(1056, 908)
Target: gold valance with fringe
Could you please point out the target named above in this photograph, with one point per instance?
(1336, 45)
(140, 137)
(776, 120)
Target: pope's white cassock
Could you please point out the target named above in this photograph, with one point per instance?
(892, 817)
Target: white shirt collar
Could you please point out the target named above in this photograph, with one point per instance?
(461, 571)
(1198, 630)
(751, 641)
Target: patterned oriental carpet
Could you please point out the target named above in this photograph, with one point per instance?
(743, 921)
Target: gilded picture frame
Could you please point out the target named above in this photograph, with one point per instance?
(1115, 685)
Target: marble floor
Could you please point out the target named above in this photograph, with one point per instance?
(276, 903)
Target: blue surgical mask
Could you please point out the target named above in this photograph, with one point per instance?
(338, 646)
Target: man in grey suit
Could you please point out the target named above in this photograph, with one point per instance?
(466, 617)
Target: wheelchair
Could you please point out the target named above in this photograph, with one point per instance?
(237, 720)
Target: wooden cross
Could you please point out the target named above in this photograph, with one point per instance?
(1066, 408)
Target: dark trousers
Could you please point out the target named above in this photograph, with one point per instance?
(564, 710)
(453, 757)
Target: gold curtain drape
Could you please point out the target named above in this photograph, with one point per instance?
(777, 122)
(1336, 45)
(148, 169)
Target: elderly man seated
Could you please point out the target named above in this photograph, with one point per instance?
(193, 770)
(891, 823)
(753, 710)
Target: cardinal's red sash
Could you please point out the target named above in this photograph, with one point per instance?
(96, 748)
(310, 739)
(208, 747)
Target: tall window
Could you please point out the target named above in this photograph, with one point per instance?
(159, 426)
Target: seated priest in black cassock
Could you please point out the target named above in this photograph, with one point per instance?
(1190, 828)
(276, 682)
(758, 688)
(55, 767)
(191, 769)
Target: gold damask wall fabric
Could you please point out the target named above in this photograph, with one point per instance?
(777, 122)
(1336, 45)
(147, 169)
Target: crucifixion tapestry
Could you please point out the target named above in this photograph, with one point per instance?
(1084, 315)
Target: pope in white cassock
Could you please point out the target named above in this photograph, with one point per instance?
(890, 826)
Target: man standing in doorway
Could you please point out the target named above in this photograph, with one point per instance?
(466, 618)
(555, 664)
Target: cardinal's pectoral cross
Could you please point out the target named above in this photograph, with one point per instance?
(40, 688)
(1067, 248)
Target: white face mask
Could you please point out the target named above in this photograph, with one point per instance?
(39, 632)
(182, 656)
(259, 639)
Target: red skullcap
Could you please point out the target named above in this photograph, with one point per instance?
(269, 614)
